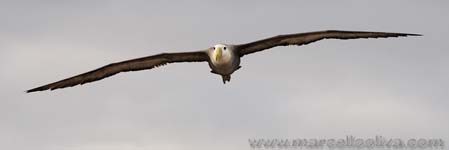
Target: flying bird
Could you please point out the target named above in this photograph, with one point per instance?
(223, 59)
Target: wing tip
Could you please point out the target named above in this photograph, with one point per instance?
(32, 90)
(36, 89)
(411, 34)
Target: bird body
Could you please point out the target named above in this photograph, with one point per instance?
(223, 59)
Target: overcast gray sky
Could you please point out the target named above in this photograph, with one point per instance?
(391, 87)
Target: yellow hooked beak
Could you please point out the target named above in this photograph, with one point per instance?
(218, 53)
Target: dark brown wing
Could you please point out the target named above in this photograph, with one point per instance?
(130, 65)
(306, 38)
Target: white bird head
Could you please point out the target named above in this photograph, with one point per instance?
(220, 51)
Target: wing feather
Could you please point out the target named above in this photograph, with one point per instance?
(148, 62)
(306, 38)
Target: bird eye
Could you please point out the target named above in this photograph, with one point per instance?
(213, 48)
(224, 48)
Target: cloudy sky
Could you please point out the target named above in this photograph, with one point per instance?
(397, 88)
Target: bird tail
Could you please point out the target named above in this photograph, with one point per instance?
(226, 78)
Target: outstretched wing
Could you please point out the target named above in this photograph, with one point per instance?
(129, 65)
(306, 38)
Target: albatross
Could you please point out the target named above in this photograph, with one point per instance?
(223, 59)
